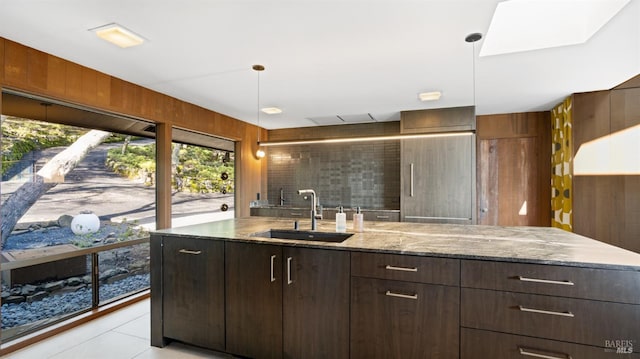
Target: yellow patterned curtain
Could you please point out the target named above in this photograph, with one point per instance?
(561, 163)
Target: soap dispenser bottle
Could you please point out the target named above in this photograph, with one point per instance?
(341, 220)
(358, 221)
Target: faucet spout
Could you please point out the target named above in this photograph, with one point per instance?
(313, 205)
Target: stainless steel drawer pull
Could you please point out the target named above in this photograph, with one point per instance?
(289, 281)
(403, 269)
(187, 251)
(296, 214)
(530, 353)
(273, 258)
(398, 295)
(541, 311)
(382, 217)
(547, 281)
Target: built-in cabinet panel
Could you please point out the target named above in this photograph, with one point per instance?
(482, 344)
(438, 180)
(514, 152)
(438, 120)
(316, 303)
(254, 284)
(287, 302)
(193, 291)
(396, 319)
(509, 310)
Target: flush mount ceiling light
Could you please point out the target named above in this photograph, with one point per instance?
(523, 25)
(118, 35)
(430, 96)
(271, 110)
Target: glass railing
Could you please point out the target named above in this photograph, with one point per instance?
(59, 282)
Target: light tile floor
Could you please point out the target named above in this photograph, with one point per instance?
(123, 334)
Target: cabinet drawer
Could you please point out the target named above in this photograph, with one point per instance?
(381, 216)
(481, 344)
(393, 319)
(567, 319)
(406, 268)
(588, 283)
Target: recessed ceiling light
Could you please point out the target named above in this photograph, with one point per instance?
(271, 110)
(118, 35)
(429, 96)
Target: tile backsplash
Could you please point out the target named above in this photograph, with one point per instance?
(365, 174)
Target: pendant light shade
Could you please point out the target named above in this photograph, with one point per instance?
(259, 152)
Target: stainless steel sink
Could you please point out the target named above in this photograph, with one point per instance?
(303, 235)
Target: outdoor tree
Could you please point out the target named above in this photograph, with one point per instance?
(52, 173)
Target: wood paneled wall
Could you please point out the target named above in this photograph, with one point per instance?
(513, 166)
(31, 71)
(607, 208)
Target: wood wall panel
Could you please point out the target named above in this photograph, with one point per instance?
(31, 71)
(514, 156)
(591, 114)
(2, 54)
(15, 63)
(37, 69)
(633, 82)
(607, 208)
(625, 108)
(56, 76)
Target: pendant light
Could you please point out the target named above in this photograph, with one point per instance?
(260, 152)
(473, 38)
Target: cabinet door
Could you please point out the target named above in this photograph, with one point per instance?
(394, 319)
(193, 291)
(254, 300)
(316, 303)
(438, 179)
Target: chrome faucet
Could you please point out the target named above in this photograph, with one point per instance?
(314, 214)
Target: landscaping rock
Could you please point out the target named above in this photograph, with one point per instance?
(14, 299)
(65, 220)
(28, 289)
(36, 297)
(74, 281)
(50, 287)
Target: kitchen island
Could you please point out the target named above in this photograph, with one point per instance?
(395, 290)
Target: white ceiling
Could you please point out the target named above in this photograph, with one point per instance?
(362, 60)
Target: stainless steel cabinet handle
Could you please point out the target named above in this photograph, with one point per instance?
(411, 181)
(542, 311)
(289, 281)
(402, 269)
(273, 258)
(382, 217)
(295, 214)
(187, 251)
(398, 295)
(547, 281)
(530, 353)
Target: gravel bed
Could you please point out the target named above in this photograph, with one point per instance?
(61, 304)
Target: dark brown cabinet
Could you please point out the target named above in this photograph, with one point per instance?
(188, 290)
(408, 316)
(287, 302)
(254, 300)
(516, 309)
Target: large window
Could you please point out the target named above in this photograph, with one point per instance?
(78, 200)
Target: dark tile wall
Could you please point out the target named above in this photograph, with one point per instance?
(365, 174)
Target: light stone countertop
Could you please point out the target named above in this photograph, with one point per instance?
(544, 245)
